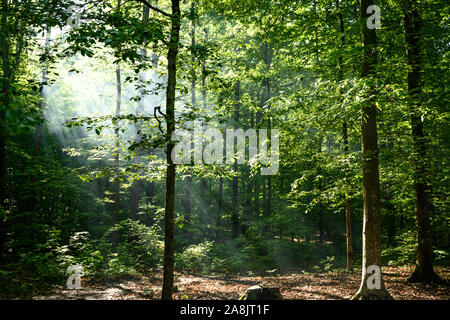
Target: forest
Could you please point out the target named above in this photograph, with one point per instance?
(224, 149)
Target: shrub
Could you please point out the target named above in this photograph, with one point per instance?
(197, 258)
(405, 251)
(138, 246)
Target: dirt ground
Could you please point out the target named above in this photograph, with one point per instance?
(313, 286)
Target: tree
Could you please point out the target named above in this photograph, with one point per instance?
(135, 188)
(371, 179)
(348, 209)
(117, 146)
(424, 271)
(188, 186)
(19, 22)
(235, 181)
(169, 242)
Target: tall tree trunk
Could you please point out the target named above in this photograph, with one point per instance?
(269, 180)
(321, 229)
(268, 56)
(247, 210)
(116, 157)
(424, 271)
(371, 179)
(135, 188)
(155, 57)
(320, 188)
(220, 203)
(116, 183)
(39, 127)
(31, 200)
(169, 241)
(134, 200)
(188, 200)
(235, 209)
(203, 203)
(203, 182)
(348, 207)
(150, 194)
(348, 210)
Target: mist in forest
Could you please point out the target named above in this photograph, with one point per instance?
(91, 91)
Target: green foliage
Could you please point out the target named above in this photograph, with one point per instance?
(196, 258)
(37, 267)
(139, 249)
(258, 256)
(139, 246)
(293, 74)
(404, 252)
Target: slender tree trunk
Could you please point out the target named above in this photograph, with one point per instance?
(348, 233)
(134, 200)
(235, 209)
(264, 202)
(188, 200)
(135, 188)
(116, 156)
(203, 203)
(424, 271)
(220, 203)
(39, 127)
(371, 180)
(321, 231)
(203, 184)
(31, 200)
(269, 183)
(188, 185)
(155, 57)
(150, 194)
(169, 241)
(268, 56)
(348, 210)
(320, 188)
(116, 183)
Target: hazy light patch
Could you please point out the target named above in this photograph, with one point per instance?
(92, 92)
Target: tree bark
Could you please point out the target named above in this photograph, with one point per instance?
(371, 180)
(348, 211)
(169, 241)
(424, 271)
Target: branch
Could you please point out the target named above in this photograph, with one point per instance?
(154, 8)
(156, 117)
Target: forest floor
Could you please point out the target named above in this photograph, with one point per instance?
(303, 286)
